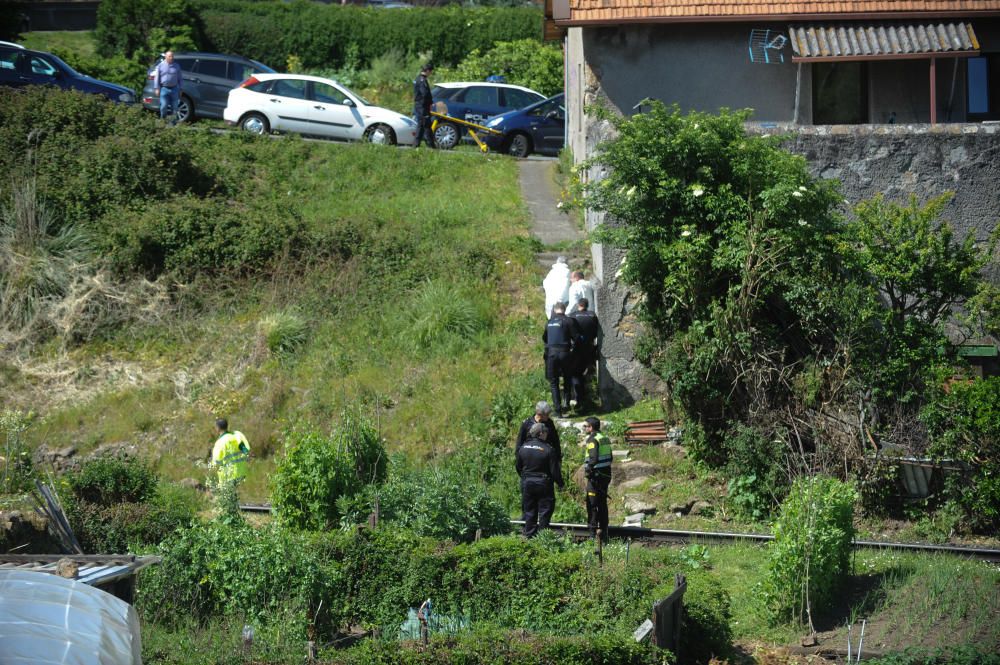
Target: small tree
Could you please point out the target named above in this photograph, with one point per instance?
(921, 273)
(811, 550)
(318, 469)
(142, 28)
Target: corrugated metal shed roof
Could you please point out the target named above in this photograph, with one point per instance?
(611, 12)
(881, 40)
(95, 570)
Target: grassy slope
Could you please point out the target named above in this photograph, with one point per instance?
(424, 211)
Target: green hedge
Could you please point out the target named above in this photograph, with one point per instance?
(323, 35)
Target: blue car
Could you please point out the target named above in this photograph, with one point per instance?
(475, 102)
(537, 128)
(20, 66)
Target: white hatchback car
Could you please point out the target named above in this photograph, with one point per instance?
(314, 106)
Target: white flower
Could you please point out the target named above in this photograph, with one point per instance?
(698, 191)
(631, 192)
(803, 222)
(797, 194)
(802, 189)
(560, 205)
(685, 233)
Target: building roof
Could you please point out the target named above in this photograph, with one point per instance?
(611, 12)
(870, 41)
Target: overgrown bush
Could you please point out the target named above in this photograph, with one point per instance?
(522, 62)
(443, 317)
(437, 502)
(117, 503)
(706, 630)
(810, 554)
(964, 425)
(319, 469)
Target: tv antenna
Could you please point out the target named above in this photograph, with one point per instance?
(766, 46)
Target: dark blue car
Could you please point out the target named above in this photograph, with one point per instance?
(475, 102)
(539, 128)
(20, 66)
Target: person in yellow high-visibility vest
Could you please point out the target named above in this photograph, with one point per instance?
(230, 453)
(597, 468)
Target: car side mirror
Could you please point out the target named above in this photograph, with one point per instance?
(552, 115)
(348, 102)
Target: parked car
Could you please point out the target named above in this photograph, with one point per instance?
(314, 106)
(208, 78)
(476, 102)
(21, 66)
(540, 128)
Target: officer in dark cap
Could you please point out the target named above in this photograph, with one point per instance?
(422, 100)
(539, 468)
(560, 333)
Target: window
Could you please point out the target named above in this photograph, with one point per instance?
(212, 68)
(239, 71)
(548, 107)
(328, 94)
(261, 86)
(41, 66)
(437, 92)
(186, 64)
(481, 96)
(8, 59)
(840, 93)
(293, 88)
(518, 99)
(983, 85)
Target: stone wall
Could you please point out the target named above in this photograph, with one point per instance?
(896, 160)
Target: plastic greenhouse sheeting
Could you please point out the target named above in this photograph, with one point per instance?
(45, 618)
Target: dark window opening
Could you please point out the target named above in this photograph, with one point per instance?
(983, 86)
(840, 93)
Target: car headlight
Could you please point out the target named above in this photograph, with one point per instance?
(494, 123)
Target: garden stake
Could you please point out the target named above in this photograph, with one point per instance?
(849, 627)
(599, 551)
(861, 640)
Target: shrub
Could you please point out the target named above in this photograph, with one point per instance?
(811, 549)
(107, 480)
(17, 465)
(317, 470)
(283, 333)
(964, 425)
(523, 62)
(438, 503)
(117, 504)
(706, 630)
(443, 317)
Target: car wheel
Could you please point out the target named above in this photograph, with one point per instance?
(381, 134)
(446, 136)
(518, 145)
(255, 123)
(185, 109)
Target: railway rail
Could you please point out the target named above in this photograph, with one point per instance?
(679, 537)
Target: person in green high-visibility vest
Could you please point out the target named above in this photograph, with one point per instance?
(597, 468)
(230, 453)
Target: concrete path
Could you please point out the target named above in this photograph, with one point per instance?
(538, 186)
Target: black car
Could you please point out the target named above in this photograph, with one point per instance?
(21, 66)
(208, 78)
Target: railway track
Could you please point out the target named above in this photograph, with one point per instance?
(678, 537)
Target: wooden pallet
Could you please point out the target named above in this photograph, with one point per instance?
(645, 432)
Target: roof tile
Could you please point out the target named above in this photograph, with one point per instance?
(589, 10)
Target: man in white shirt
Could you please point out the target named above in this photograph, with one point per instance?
(579, 288)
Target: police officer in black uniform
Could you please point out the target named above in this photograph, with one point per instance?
(542, 415)
(422, 100)
(539, 468)
(560, 333)
(597, 469)
(585, 348)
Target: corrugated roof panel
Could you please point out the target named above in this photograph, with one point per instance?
(881, 40)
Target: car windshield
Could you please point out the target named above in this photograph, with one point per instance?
(355, 95)
(262, 67)
(59, 61)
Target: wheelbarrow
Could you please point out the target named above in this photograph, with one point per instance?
(443, 119)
